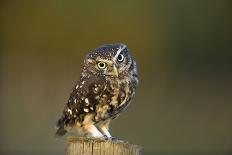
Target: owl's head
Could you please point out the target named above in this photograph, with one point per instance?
(110, 60)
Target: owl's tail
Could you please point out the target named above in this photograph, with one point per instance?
(60, 128)
(60, 132)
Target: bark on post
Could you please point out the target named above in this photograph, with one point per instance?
(93, 146)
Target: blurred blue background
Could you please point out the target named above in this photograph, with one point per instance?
(184, 53)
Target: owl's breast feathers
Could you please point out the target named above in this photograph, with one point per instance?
(99, 98)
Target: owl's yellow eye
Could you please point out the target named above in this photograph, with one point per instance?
(101, 65)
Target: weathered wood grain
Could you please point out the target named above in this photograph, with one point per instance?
(94, 146)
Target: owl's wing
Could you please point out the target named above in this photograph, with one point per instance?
(82, 100)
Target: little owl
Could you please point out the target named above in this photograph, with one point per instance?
(105, 89)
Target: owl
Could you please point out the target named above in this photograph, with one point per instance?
(107, 84)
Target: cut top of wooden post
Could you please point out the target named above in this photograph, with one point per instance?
(95, 146)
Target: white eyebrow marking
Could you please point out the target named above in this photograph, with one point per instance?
(121, 48)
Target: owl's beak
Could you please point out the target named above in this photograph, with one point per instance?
(115, 71)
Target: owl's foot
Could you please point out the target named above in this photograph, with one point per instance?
(110, 138)
(113, 138)
(105, 137)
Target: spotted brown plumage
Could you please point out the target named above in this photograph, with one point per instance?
(105, 89)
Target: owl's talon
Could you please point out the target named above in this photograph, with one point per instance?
(113, 138)
(105, 137)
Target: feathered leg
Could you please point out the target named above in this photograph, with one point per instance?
(104, 128)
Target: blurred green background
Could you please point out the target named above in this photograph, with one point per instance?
(184, 53)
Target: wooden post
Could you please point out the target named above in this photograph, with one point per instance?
(94, 146)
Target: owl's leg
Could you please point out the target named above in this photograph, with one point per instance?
(87, 127)
(89, 130)
(92, 131)
(106, 132)
(104, 128)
